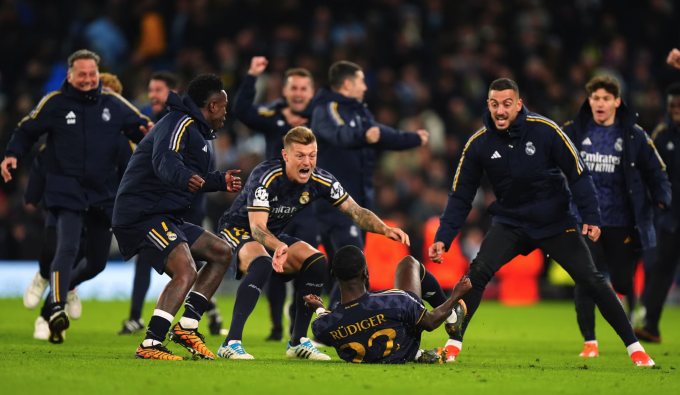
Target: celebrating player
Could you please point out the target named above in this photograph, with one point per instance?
(525, 156)
(383, 326)
(166, 172)
(276, 190)
(626, 192)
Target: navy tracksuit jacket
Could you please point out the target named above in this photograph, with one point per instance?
(527, 165)
(644, 171)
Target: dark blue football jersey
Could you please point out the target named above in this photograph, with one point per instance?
(268, 189)
(379, 327)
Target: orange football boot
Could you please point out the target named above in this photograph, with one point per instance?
(640, 358)
(589, 350)
(156, 352)
(190, 339)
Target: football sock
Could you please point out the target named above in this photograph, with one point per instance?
(159, 325)
(311, 278)
(259, 271)
(194, 307)
(431, 290)
(456, 343)
(140, 286)
(585, 312)
(276, 294)
(635, 347)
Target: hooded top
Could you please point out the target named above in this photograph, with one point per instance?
(156, 181)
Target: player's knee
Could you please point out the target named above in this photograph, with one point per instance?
(408, 263)
(221, 253)
(480, 273)
(622, 285)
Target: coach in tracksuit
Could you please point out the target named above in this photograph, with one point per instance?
(526, 158)
(666, 137)
(630, 178)
(83, 123)
(348, 137)
(274, 120)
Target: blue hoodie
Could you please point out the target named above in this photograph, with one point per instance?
(156, 181)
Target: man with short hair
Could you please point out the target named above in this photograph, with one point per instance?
(274, 120)
(83, 123)
(160, 85)
(527, 158)
(349, 137)
(365, 326)
(276, 191)
(170, 166)
(666, 136)
(630, 179)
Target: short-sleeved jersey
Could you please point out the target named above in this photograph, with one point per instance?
(379, 327)
(268, 189)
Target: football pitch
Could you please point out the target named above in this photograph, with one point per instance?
(507, 350)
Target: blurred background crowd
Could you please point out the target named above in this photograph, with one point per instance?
(428, 65)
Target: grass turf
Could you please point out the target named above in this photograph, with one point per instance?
(507, 350)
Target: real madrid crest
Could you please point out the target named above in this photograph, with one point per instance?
(530, 149)
(670, 146)
(304, 199)
(618, 145)
(106, 115)
(171, 236)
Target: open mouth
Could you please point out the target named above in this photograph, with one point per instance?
(304, 173)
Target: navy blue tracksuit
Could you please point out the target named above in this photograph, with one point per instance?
(527, 165)
(340, 124)
(154, 193)
(666, 137)
(81, 158)
(631, 180)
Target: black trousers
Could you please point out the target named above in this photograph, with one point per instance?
(615, 252)
(662, 277)
(503, 243)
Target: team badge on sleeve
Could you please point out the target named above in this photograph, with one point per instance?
(261, 197)
(304, 199)
(337, 191)
(171, 236)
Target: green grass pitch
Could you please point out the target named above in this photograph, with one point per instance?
(506, 351)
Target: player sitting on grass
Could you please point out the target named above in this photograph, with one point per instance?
(276, 190)
(383, 326)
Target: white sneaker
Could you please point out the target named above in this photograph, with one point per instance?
(233, 351)
(35, 291)
(305, 350)
(42, 329)
(316, 343)
(74, 308)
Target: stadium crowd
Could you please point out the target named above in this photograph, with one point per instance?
(428, 65)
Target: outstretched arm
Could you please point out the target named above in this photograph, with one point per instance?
(369, 222)
(258, 226)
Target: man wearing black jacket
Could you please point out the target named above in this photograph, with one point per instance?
(349, 139)
(526, 158)
(630, 179)
(168, 169)
(666, 136)
(274, 120)
(84, 124)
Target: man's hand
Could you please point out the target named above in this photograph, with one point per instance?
(313, 302)
(257, 65)
(373, 135)
(233, 183)
(592, 231)
(674, 58)
(146, 129)
(293, 120)
(424, 136)
(398, 235)
(436, 252)
(9, 161)
(195, 183)
(461, 288)
(279, 258)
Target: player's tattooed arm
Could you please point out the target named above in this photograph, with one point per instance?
(370, 222)
(258, 225)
